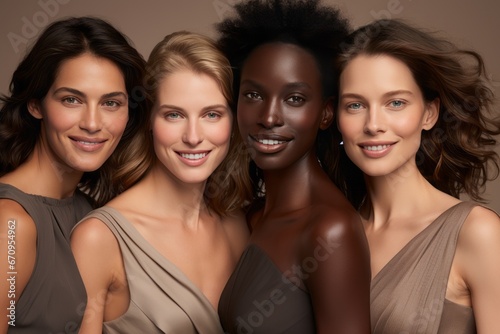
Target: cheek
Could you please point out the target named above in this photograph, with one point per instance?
(407, 127)
(245, 117)
(349, 127)
(220, 133)
(117, 122)
(163, 134)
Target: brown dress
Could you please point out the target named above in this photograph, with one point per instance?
(259, 299)
(54, 298)
(162, 298)
(408, 294)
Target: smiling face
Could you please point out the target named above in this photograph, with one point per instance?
(84, 113)
(280, 105)
(191, 124)
(382, 114)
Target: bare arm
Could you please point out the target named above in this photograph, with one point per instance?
(478, 253)
(96, 252)
(340, 282)
(17, 257)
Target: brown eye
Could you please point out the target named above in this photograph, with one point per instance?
(253, 96)
(296, 99)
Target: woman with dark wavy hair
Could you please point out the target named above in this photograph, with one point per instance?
(69, 122)
(416, 117)
(306, 268)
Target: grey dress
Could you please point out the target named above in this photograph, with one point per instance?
(162, 298)
(54, 298)
(408, 294)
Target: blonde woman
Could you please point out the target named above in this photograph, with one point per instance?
(173, 238)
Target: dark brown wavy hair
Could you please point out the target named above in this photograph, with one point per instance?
(457, 155)
(305, 23)
(62, 40)
(228, 188)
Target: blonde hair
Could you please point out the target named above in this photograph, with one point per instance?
(228, 188)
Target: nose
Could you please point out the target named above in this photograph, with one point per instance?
(271, 114)
(91, 119)
(375, 121)
(192, 134)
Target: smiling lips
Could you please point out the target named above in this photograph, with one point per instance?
(88, 144)
(376, 150)
(270, 143)
(193, 156)
(193, 159)
(376, 147)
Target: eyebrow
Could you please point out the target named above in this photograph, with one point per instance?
(210, 107)
(290, 85)
(386, 95)
(82, 94)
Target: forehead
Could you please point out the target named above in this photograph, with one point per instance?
(374, 72)
(187, 87)
(88, 71)
(283, 61)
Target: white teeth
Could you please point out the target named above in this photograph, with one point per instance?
(376, 148)
(270, 142)
(192, 156)
(87, 142)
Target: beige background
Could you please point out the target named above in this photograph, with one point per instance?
(470, 23)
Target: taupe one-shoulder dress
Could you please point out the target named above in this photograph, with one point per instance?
(162, 298)
(408, 294)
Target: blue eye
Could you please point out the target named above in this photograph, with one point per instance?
(213, 115)
(355, 106)
(173, 115)
(397, 104)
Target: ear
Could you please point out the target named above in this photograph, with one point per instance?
(327, 117)
(431, 114)
(35, 109)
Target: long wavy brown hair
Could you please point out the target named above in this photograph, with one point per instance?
(457, 155)
(62, 40)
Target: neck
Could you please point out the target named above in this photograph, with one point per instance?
(171, 197)
(394, 195)
(41, 175)
(290, 189)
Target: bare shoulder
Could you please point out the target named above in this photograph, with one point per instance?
(13, 209)
(17, 247)
(14, 217)
(92, 233)
(337, 227)
(481, 229)
(335, 222)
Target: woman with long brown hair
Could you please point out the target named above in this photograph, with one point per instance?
(417, 120)
(68, 124)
